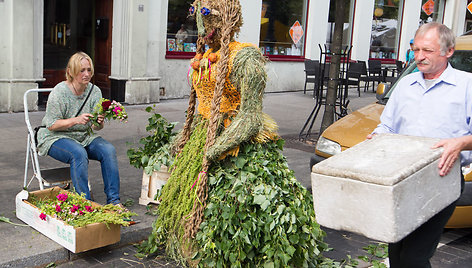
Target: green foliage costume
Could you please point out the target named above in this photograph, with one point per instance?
(231, 199)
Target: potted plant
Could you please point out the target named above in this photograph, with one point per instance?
(153, 156)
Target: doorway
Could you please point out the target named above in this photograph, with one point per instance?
(77, 25)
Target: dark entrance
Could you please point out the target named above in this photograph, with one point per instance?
(77, 25)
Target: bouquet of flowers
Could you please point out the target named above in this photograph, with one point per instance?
(111, 110)
(77, 211)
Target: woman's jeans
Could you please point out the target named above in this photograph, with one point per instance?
(71, 152)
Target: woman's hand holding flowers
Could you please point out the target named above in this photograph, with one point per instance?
(106, 110)
(100, 121)
(83, 119)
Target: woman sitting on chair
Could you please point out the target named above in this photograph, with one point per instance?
(66, 136)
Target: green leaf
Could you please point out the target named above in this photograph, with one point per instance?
(285, 258)
(294, 238)
(140, 255)
(144, 159)
(290, 249)
(265, 205)
(269, 264)
(259, 199)
(232, 257)
(305, 229)
(50, 265)
(245, 237)
(7, 220)
(240, 162)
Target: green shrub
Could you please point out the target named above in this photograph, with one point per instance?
(155, 149)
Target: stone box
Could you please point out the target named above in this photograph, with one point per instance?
(383, 188)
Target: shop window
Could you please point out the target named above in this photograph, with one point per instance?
(468, 19)
(436, 15)
(283, 28)
(181, 30)
(384, 29)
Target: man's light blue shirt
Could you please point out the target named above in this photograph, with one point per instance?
(442, 111)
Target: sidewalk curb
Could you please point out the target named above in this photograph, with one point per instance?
(129, 235)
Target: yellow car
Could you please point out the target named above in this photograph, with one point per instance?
(353, 129)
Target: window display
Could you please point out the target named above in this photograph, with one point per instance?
(181, 29)
(283, 27)
(437, 8)
(384, 29)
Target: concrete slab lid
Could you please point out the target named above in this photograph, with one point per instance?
(386, 159)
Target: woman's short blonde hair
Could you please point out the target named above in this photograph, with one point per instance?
(74, 66)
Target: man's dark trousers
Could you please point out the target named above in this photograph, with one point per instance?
(415, 250)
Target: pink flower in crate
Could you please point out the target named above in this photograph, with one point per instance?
(88, 208)
(58, 208)
(74, 208)
(81, 212)
(42, 216)
(62, 197)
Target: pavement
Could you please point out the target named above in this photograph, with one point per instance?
(23, 246)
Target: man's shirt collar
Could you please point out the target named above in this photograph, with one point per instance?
(448, 76)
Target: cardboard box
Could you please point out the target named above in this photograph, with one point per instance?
(74, 239)
(383, 188)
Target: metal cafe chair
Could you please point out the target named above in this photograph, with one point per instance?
(375, 72)
(311, 73)
(59, 176)
(353, 76)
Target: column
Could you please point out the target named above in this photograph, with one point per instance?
(21, 57)
(362, 29)
(317, 26)
(409, 25)
(135, 51)
(251, 29)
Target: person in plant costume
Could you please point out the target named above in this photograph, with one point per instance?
(231, 199)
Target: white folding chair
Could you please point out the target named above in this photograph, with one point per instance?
(46, 177)
(49, 177)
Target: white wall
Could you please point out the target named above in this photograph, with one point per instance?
(285, 76)
(362, 29)
(317, 26)
(251, 10)
(20, 51)
(135, 48)
(411, 18)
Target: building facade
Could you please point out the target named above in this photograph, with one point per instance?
(141, 48)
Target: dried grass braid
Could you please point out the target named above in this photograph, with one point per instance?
(230, 17)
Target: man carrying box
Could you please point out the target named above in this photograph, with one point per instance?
(435, 102)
